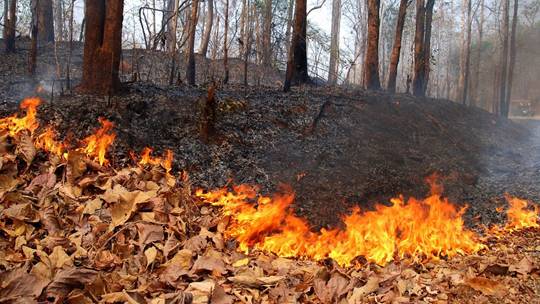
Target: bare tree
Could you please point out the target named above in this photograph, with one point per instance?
(297, 67)
(513, 54)
(203, 49)
(333, 67)
(45, 21)
(226, 44)
(267, 34)
(102, 46)
(465, 58)
(396, 50)
(10, 17)
(422, 46)
(190, 60)
(32, 56)
(371, 61)
(503, 80)
(475, 96)
(59, 19)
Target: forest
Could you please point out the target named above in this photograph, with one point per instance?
(269, 151)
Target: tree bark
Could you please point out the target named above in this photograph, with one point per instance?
(34, 31)
(190, 62)
(267, 34)
(465, 57)
(297, 66)
(396, 50)
(503, 84)
(226, 44)
(371, 61)
(427, 43)
(513, 54)
(171, 38)
(59, 19)
(102, 46)
(10, 25)
(333, 66)
(45, 21)
(422, 46)
(290, 8)
(476, 95)
(203, 49)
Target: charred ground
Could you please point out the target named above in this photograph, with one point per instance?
(335, 147)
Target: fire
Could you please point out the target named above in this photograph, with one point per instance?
(98, 143)
(519, 216)
(14, 125)
(415, 229)
(47, 142)
(148, 159)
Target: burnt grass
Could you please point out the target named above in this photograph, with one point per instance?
(336, 148)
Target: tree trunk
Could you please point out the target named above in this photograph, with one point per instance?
(226, 44)
(267, 34)
(477, 96)
(59, 19)
(190, 62)
(247, 40)
(419, 64)
(203, 49)
(290, 8)
(333, 66)
(45, 21)
(102, 46)
(34, 31)
(171, 38)
(10, 25)
(427, 43)
(297, 67)
(512, 54)
(503, 84)
(396, 50)
(464, 66)
(371, 61)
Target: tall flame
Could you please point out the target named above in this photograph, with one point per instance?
(14, 125)
(519, 216)
(47, 142)
(96, 145)
(415, 229)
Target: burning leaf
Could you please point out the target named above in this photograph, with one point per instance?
(96, 145)
(519, 216)
(26, 148)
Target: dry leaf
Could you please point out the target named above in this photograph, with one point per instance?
(150, 255)
(149, 233)
(209, 263)
(68, 279)
(487, 286)
(331, 290)
(525, 266)
(26, 148)
(18, 283)
(360, 293)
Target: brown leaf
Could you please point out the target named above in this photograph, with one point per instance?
(487, 286)
(67, 280)
(76, 166)
(26, 148)
(220, 297)
(122, 210)
(525, 266)
(41, 181)
(149, 233)
(209, 263)
(19, 283)
(360, 293)
(332, 290)
(106, 260)
(177, 266)
(22, 212)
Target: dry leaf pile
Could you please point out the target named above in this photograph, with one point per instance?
(72, 231)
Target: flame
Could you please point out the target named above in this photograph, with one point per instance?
(148, 159)
(520, 216)
(418, 230)
(96, 145)
(47, 142)
(14, 125)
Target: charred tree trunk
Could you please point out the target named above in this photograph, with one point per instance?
(267, 34)
(396, 50)
(190, 62)
(371, 61)
(333, 67)
(290, 8)
(503, 84)
(45, 22)
(171, 38)
(203, 49)
(512, 55)
(10, 24)
(102, 46)
(476, 95)
(297, 66)
(226, 44)
(422, 46)
(465, 53)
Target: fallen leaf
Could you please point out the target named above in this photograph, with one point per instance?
(209, 263)
(18, 283)
(149, 233)
(67, 280)
(150, 255)
(525, 266)
(486, 286)
(360, 293)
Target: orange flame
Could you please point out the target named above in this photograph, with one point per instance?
(47, 142)
(417, 229)
(519, 216)
(98, 143)
(148, 159)
(14, 125)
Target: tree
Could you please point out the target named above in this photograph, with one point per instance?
(102, 46)
(45, 21)
(503, 74)
(267, 34)
(59, 19)
(333, 66)
(396, 50)
(203, 49)
(476, 90)
(371, 61)
(190, 61)
(10, 17)
(226, 44)
(465, 57)
(32, 56)
(297, 67)
(512, 55)
(422, 46)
